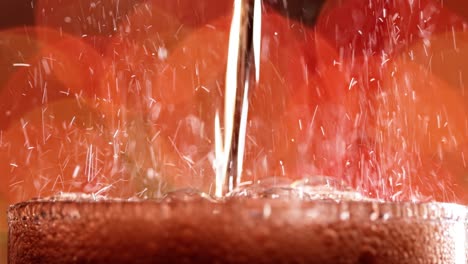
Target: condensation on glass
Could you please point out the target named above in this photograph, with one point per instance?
(192, 229)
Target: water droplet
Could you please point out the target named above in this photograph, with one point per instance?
(344, 216)
(266, 210)
(374, 216)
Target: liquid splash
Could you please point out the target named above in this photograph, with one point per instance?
(127, 99)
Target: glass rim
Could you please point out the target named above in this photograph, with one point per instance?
(314, 210)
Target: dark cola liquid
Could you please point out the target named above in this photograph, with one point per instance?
(240, 230)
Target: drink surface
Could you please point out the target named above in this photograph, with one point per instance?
(238, 230)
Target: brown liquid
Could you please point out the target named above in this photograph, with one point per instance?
(236, 231)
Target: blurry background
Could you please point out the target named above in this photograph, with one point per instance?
(12, 14)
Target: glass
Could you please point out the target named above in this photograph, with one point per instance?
(191, 229)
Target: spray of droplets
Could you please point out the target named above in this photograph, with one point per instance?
(125, 99)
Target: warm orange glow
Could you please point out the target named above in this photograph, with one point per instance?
(373, 94)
